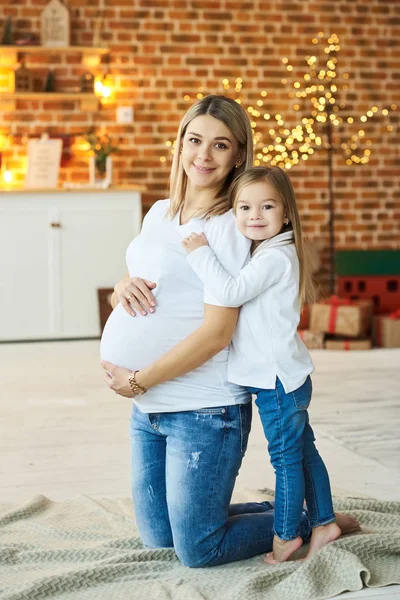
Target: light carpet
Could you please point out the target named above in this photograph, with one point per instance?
(88, 549)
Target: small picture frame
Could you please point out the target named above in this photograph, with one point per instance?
(44, 157)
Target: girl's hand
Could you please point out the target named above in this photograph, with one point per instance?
(117, 379)
(136, 294)
(194, 241)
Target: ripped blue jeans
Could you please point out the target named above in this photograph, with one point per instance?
(184, 467)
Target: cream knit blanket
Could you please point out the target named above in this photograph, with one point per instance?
(89, 549)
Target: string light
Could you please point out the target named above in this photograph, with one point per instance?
(319, 86)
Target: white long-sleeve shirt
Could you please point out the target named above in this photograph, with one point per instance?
(265, 344)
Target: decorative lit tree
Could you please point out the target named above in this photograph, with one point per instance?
(321, 125)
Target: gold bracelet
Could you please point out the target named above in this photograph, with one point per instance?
(137, 389)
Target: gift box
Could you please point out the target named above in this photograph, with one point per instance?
(347, 344)
(342, 316)
(313, 340)
(386, 330)
(304, 318)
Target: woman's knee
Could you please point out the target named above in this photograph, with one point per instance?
(193, 556)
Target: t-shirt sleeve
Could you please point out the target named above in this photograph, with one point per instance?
(157, 211)
(260, 273)
(230, 247)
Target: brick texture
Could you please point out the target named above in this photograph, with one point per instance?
(161, 50)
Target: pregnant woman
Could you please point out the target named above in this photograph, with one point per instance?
(189, 425)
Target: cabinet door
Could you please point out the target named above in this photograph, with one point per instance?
(25, 287)
(93, 243)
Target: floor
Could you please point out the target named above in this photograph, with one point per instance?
(63, 433)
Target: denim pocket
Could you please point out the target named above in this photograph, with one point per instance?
(302, 396)
(245, 413)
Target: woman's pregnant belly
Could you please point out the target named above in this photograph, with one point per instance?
(135, 342)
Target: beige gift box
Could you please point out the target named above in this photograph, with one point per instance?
(386, 330)
(313, 341)
(348, 344)
(342, 317)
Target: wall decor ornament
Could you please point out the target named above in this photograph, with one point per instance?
(8, 37)
(55, 25)
(50, 82)
(23, 80)
(87, 83)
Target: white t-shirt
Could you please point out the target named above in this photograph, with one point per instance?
(265, 343)
(135, 342)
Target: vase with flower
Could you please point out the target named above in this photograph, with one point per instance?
(100, 161)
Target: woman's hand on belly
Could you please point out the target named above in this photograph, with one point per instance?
(135, 293)
(117, 379)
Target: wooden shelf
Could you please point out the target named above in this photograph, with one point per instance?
(54, 49)
(89, 102)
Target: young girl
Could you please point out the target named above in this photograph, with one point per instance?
(267, 355)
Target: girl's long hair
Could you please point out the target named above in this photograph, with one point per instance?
(281, 182)
(230, 113)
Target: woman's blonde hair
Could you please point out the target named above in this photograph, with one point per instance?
(279, 179)
(230, 113)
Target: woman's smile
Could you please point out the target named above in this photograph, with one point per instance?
(203, 170)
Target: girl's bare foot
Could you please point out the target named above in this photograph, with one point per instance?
(321, 536)
(282, 550)
(347, 524)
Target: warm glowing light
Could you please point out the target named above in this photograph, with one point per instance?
(7, 176)
(98, 87)
(291, 144)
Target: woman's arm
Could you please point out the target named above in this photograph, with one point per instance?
(205, 342)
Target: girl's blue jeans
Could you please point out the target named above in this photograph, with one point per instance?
(184, 466)
(299, 469)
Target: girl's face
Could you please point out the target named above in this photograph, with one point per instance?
(209, 152)
(260, 213)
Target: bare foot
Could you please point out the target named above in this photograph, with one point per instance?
(347, 524)
(282, 550)
(321, 536)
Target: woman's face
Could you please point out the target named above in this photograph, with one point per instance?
(209, 152)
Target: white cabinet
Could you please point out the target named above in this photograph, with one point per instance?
(56, 250)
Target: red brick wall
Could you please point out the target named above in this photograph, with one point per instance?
(164, 49)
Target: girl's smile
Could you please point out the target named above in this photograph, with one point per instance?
(260, 214)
